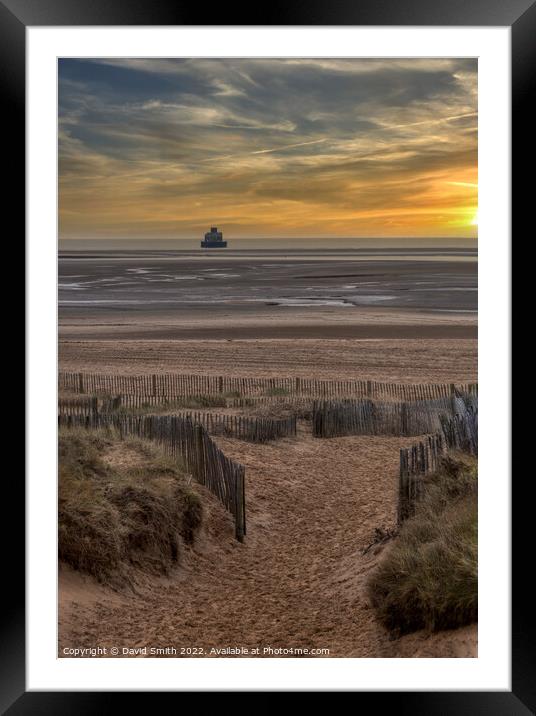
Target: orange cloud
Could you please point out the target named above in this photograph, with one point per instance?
(267, 148)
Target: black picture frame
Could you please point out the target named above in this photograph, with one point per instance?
(15, 17)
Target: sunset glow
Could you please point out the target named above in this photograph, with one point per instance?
(267, 148)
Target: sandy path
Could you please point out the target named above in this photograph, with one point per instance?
(297, 581)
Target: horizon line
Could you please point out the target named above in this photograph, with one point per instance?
(275, 238)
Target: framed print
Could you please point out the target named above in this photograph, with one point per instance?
(268, 270)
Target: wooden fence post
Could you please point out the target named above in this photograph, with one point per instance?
(240, 510)
(403, 486)
(199, 455)
(81, 383)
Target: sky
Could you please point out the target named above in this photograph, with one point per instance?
(164, 148)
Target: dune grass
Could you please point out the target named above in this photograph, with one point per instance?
(122, 505)
(191, 402)
(428, 577)
(274, 392)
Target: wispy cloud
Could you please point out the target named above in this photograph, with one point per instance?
(438, 120)
(276, 147)
(289, 146)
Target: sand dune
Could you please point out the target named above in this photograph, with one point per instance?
(296, 581)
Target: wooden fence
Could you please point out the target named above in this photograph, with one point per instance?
(253, 429)
(190, 442)
(77, 406)
(459, 432)
(139, 402)
(366, 417)
(173, 385)
(256, 430)
(83, 405)
(416, 461)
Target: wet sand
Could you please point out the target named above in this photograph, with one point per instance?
(262, 322)
(263, 332)
(251, 294)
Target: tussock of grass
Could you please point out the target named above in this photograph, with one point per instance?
(121, 505)
(428, 577)
(201, 401)
(302, 409)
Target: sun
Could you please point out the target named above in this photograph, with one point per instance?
(474, 222)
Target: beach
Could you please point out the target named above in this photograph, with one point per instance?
(267, 356)
(327, 311)
(314, 506)
(406, 360)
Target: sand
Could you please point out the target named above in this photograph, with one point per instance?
(312, 505)
(296, 582)
(254, 321)
(410, 360)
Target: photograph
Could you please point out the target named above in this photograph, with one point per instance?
(267, 309)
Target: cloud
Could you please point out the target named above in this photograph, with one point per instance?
(285, 146)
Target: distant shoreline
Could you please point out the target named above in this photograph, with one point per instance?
(270, 245)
